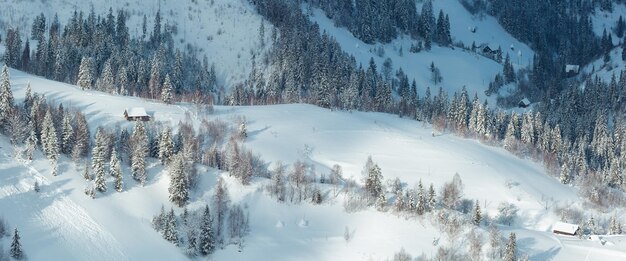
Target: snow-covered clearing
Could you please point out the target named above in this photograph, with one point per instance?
(458, 67)
(61, 222)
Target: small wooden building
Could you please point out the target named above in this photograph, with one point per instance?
(524, 103)
(572, 69)
(136, 114)
(490, 49)
(567, 229)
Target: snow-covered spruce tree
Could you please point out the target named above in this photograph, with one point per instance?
(206, 240)
(615, 227)
(432, 198)
(106, 82)
(510, 253)
(138, 153)
(97, 161)
(49, 140)
(123, 81)
(169, 231)
(477, 215)
(179, 189)
(166, 146)
(221, 200)
(85, 73)
(192, 244)
(421, 199)
(16, 127)
(565, 172)
(16, 246)
(167, 90)
(158, 221)
(6, 97)
(81, 138)
(28, 98)
(31, 144)
(115, 169)
(509, 138)
(67, 135)
(373, 178)
(154, 84)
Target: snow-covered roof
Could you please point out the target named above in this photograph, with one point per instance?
(572, 68)
(525, 101)
(136, 112)
(565, 227)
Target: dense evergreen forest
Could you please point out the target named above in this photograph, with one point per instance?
(97, 52)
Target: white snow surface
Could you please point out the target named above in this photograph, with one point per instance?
(61, 223)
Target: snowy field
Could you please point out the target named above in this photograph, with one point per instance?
(61, 222)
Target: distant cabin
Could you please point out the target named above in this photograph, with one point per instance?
(524, 103)
(490, 50)
(136, 114)
(567, 229)
(572, 69)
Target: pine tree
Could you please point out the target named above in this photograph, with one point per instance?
(81, 137)
(106, 82)
(509, 137)
(565, 175)
(123, 81)
(167, 90)
(179, 189)
(116, 171)
(373, 178)
(477, 214)
(166, 146)
(31, 144)
(432, 198)
(28, 97)
(49, 140)
(192, 245)
(85, 73)
(67, 135)
(206, 241)
(510, 252)
(16, 246)
(138, 155)
(508, 71)
(169, 231)
(399, 203)
(97, 163)
(421, 199)
(6, 97)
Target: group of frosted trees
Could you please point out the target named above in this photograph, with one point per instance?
(375, 21)
(36, 123)
(97, 52)
(200, 232)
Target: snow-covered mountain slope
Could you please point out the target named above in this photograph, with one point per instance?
(226, 31)
(62, 223)
(606, 70)
(604, 20)
(458, 67)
